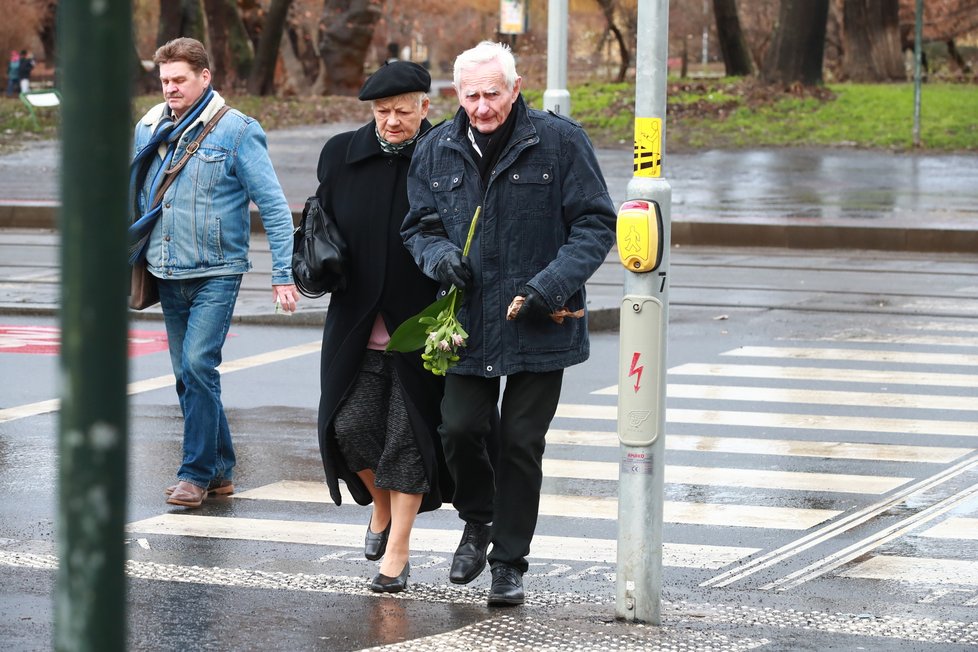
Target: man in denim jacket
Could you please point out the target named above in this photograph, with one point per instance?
(198, 247)
(546, 225)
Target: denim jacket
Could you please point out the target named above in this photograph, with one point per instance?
(547, 222)
(205, 225)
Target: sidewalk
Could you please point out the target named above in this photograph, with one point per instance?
(790, 198)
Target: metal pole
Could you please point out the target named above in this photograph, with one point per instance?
(918, 48)
(95, 50)
(644, 319)
(557, 98)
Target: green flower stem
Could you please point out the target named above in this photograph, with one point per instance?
(468, 239)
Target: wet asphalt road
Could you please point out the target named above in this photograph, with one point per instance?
(879, 350)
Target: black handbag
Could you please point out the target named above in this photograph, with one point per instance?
(318, 253)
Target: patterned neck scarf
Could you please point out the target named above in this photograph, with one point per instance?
(167, 132)
(394, 148)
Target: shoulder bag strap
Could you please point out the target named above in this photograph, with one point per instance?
(174, 170)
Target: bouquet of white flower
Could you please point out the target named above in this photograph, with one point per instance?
(436, 328)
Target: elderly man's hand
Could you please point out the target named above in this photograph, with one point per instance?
(534, 306)
(455, 269)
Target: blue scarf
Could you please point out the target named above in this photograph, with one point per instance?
(167, 132)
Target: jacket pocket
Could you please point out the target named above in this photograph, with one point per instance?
(529, 186)
(207, 169)
(448, 200)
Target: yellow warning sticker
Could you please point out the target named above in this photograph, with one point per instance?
(647, 161)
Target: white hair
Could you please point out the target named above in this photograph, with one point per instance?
(483, 53)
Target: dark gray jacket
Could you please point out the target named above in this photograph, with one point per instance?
(547, 221)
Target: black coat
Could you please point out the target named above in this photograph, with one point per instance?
(365, 191)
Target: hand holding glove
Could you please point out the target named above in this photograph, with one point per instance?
(455, 269)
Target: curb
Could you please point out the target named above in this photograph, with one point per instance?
(924, 239)
(824, 236)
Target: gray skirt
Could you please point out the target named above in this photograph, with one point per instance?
(373, 429)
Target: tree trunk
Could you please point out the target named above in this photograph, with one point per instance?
(736, 56)
(47, 32)
(296, 81)
(231, 51)
(872, 41)
(346, 28)
(796, 51)
(303, 45)
(180, 18)
(625, 57)
(955, 55)
(262, 80)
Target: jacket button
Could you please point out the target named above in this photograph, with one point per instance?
(455, 180)
(167, 238)
(489, 367)
(516, 177)
(434, 184)
(166, 205)
(560, 298)
(546, 176)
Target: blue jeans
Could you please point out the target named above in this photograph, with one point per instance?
(197, 313)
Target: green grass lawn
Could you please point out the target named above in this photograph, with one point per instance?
(723, 113)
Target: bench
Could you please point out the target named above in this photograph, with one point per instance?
(41, 99)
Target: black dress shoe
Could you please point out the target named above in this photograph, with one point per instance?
(470, 556)
(385, 584)
(375, 543)
(507, 586)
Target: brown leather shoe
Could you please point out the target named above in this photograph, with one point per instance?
(216, 488)
(188, 495)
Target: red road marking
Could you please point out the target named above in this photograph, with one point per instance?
(46, 340)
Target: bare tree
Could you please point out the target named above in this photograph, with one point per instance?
(262, 77)
(231, 50)
(180, 18)
(346, 28)
(625, 57)
(872, 41)
(736, 55)
(796, 52)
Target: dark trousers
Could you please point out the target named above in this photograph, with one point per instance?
(506, 490)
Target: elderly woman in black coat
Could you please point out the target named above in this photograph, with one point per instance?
(379, 411)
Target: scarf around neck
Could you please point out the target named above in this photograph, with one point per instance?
(394, 148)
(167, 133)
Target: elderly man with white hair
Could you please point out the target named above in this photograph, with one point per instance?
(546, 225)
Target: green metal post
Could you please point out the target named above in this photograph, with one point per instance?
(95, 49)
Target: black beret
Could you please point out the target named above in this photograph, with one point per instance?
(395, 78)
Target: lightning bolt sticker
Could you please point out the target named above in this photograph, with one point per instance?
(636, 370)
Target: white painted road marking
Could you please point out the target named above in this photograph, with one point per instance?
(685, 513)
(779, 447)
(422, 539)
(782, 420)
(160, 382)
(957, 527)
(863, 355)
(882, 377)
(919, 570)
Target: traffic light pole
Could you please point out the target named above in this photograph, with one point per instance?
(643, 244)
